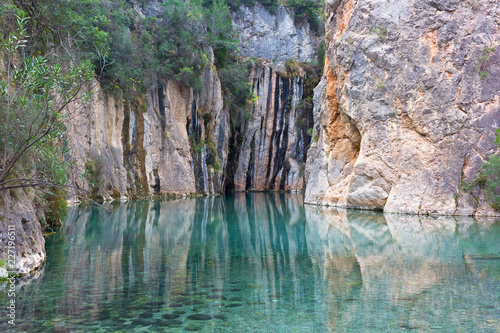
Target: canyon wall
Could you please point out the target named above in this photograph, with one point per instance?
(168, 140)
(271, 149)
(408, 106)
(275, 138)
(172, 140)
(277, 36)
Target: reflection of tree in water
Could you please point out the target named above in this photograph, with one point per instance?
(350, 270)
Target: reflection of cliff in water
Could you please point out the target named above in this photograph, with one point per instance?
(315, 268)
(409, 266)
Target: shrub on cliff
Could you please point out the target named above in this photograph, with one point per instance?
(271, 5)
(320, 57)
(489, 178)
(34, 90)
(308, 9)
(174, 43)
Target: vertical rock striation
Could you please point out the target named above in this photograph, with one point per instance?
(166, 141)
(408, 106)
(273, 152)
(272, 149)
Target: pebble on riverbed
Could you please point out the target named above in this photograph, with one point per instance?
(176, 305)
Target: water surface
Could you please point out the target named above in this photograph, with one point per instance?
(262, 263)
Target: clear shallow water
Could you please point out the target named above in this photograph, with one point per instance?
(262, 263)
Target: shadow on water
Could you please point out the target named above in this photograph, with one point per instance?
(263, 263)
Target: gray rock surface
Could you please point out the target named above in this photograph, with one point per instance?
(19, 211)
(274, 36)
(273, 152)
(157, 143)
(411, 105)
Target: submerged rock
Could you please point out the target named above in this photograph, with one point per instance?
(232, 305)
(170, 316)
(176, 305)
(200, 316)
(173, 323)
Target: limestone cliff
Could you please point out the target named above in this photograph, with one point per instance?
(169, 140)
(271, 145)
(408, 105)
(20, 223)
(174, 140)
(274, 36)
(275, 138)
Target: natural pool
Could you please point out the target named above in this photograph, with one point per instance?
(262, 263)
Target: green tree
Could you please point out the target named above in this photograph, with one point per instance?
(320, 57)
(33, 94)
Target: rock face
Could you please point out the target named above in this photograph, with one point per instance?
(274, 36)
(408, 106)
(272, 149)
(169, 140)
(275, 138)
(173, 140)
(19, 219)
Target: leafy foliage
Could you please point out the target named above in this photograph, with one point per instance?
(237, 90)
(271, 5)
(33, 94)
(64, 31)
(307, 9)
(93, 173)
(320, 57)
(489, 177)
(175, 43)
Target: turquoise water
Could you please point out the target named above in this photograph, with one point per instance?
(262, 263)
